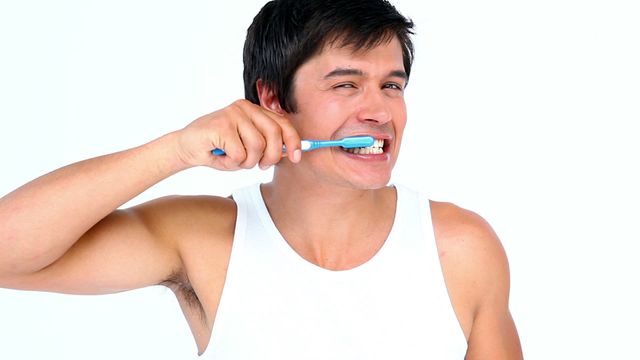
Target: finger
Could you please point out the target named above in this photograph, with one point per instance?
(272, 133)
(227, 163)
(253, 141)
(289, 136)
(227, 138)
(291, 139)
(235, 153)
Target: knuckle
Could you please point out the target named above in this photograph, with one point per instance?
(291, 136)
(292, 140)
(268, 161)
(236, 160)
(272, 152)
(258, 145)
(273, 130)
(235, 110)
(249, 163)
(231, 164)
(239, 103)
(289, 131)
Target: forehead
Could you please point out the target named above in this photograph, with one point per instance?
(384, 57)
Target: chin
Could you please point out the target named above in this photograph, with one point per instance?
(371, 183)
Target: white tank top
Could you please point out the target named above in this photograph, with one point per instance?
(277, 305)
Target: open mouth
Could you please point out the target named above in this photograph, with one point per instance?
(375, 149)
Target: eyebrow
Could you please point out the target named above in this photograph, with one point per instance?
(356, 72)
(344, 72)
(399, 74)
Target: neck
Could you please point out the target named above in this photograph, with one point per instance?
(336, 227)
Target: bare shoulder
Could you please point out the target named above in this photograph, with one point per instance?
(476, 272)
(467, 243)
(472, 258)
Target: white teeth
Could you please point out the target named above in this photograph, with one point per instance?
(376, 149)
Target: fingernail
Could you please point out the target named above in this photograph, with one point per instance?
(297, 155)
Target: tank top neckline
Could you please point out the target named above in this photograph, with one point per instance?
(305, 265)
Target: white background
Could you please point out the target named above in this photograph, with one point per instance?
(520, 111)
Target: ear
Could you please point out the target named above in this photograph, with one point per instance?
(267, 98)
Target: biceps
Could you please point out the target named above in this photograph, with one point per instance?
(117, 254)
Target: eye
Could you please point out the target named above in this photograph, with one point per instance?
(345, 86)
(393, 86)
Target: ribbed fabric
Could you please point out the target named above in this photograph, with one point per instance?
(277, 305)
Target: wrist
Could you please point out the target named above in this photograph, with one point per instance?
(167, 155)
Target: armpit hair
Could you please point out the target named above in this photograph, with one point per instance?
(179, 283)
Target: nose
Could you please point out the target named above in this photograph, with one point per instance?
(374, 107)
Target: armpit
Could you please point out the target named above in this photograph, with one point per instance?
(179, 283)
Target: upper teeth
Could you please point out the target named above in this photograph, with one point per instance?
(376, 148)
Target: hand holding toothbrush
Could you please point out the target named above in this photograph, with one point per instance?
(249, 134)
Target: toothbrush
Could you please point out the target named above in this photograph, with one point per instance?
(347, 143)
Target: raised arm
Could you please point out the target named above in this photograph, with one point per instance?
(62, 232)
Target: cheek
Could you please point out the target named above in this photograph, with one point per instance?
(319, 116)
(400, 115)
(400, 121)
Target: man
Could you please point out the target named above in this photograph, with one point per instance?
(325, 261)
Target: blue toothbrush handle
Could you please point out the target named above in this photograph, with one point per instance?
(220, 152)
(306, 145)
(317, 144)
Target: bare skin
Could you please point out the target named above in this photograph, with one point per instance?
(185, 242)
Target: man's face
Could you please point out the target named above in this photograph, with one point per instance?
(342, 93)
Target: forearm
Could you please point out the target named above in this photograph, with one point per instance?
(41, 220)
